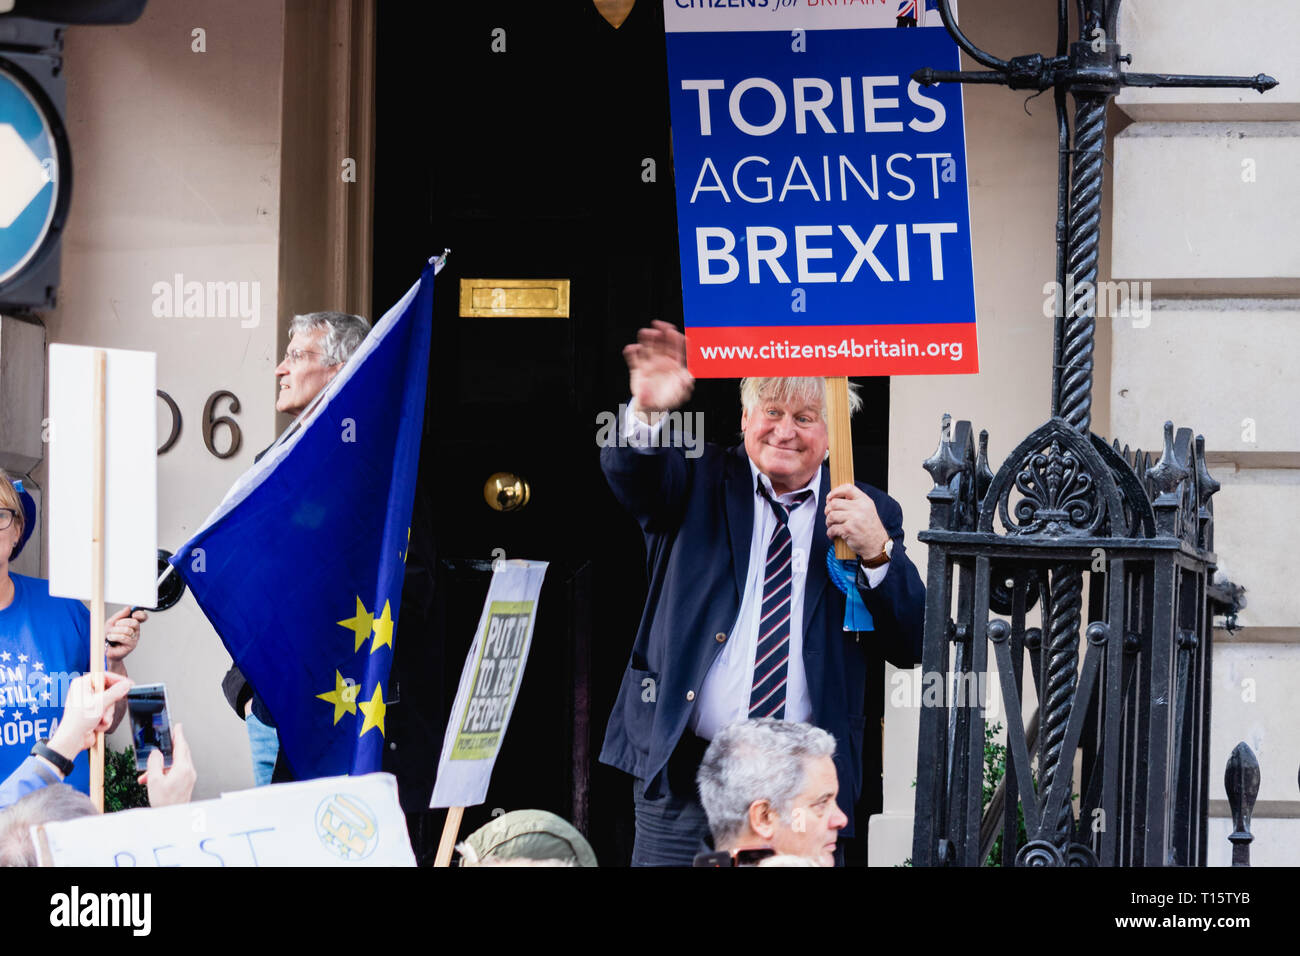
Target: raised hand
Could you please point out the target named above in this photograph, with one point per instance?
(657, 365)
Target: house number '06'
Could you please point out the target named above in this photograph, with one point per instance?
(210, 423)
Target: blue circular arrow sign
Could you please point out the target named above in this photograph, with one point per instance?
(29, 188)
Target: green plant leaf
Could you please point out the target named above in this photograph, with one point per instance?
(121, 791)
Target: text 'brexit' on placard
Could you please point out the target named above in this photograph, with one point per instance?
(768, 244)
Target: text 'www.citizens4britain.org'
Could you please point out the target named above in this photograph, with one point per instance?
(920, 349)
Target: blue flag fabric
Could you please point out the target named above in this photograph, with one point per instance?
(300, 569)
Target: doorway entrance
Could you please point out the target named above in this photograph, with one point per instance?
(524, 151)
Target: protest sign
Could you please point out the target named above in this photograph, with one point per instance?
(333, 821)
(103, 494)
(130, 440)
(822, 204)
(489, 684)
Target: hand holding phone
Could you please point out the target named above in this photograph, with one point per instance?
(174, 785)
(151, 725)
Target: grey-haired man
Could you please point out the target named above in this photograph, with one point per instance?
(771, 784)
(320, 343)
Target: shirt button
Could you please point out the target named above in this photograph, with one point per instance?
(690, 695)
(720, 637)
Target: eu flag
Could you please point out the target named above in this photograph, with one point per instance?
(300, 569)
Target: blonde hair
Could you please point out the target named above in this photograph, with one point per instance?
(792, 390)
(9, 499)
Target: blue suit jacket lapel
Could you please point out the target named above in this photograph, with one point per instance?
(740, 515)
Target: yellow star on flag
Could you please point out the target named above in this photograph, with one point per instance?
(343, 697)
(374, 710)
(383, 626)
(360, 624)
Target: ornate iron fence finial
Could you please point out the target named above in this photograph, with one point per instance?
(1241, 780)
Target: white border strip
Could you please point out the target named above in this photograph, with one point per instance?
(745, 16)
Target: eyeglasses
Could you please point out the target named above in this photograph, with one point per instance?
(7, 516)
(294, 356)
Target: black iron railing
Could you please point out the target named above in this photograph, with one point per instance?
(1067, 520)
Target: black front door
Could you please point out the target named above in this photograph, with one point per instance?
(524, 151)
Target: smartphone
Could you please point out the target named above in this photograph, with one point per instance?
(151, 723)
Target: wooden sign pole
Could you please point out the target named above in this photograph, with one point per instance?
(841, 435)
(450, 829)
(99, 421)
(44, 856)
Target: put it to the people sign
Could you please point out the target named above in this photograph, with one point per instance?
(822, 203)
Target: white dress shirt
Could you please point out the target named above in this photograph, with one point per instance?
(724, 695)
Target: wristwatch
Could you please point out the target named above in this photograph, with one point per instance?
(61, 763)
(882, 558)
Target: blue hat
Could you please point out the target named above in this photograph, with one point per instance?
(29, 516)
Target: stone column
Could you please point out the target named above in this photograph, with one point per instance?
(1207, 210)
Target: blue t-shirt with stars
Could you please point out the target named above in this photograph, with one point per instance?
(44, 644)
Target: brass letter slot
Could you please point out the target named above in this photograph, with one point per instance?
(525, 298)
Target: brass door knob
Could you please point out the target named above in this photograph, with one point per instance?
(506, 492)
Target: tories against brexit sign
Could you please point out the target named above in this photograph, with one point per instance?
(821, 192)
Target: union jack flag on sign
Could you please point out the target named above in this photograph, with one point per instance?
(912, 13)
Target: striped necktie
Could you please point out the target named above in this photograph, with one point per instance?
(767, 699)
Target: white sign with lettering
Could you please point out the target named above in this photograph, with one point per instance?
(334, 821)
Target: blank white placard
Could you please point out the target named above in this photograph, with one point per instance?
(131, 475)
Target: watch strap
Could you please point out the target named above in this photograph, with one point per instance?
(882, 558)
(61, 763)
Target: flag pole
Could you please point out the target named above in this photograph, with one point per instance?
(449, 831)
(841, 443)
(98, 418)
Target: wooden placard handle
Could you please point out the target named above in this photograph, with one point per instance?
(841, 435)
(44, 855)
(99, 419)
(450, 829)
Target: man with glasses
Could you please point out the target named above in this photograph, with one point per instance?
(320, 343)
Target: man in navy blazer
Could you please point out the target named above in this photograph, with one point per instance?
(722, 530)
